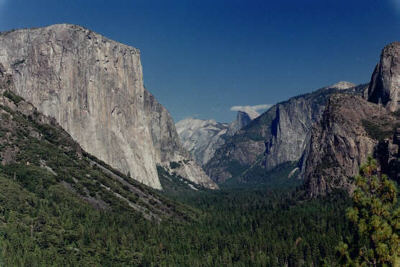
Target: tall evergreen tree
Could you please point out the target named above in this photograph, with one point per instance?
(376, 215)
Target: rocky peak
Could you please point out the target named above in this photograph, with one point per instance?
(243, 118)
(352, 129)
(385, 81)
(203, 137)
(192, 124)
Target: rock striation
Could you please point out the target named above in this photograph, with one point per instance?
(385, 81)
(93, 87)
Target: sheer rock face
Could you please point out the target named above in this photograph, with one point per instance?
(340, 143)
(93, 87)
(385, 82)
(289, 131)
(278, 136)
(291, 127)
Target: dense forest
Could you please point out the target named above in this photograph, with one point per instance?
(228, 228)
(48, 225)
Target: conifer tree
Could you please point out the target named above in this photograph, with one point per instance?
(376, 215)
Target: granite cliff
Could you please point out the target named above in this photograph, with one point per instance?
(385, 82)
(38, 155)
(243, 118)
(93, 87)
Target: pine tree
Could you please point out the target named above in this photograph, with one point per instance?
(376, 216)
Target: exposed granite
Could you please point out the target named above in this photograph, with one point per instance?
(385, 81)
(341, 142)
(93, 87)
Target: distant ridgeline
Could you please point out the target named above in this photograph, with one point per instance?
(321, 138)
(275, 140)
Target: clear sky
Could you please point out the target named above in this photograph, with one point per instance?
(202, 57)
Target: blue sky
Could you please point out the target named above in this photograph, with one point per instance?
(202, 57)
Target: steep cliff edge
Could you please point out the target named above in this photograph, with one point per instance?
(385, 81)
(93, 87)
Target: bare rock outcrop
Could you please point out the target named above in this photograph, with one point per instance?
(341, 142)
(93, 87)
(385, 82)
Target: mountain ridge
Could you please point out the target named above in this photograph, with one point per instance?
(278, 136)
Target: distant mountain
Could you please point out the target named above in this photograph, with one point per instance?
(243, 118)
(203, 137)
(278, 136)
(93, 87)
(343, 85)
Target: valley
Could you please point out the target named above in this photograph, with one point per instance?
(94, 171)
